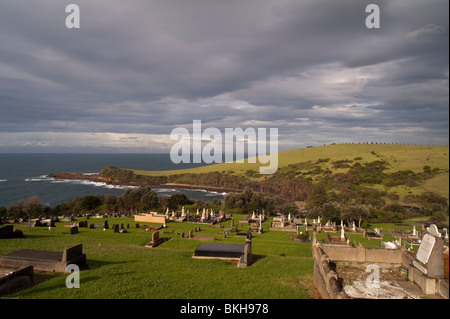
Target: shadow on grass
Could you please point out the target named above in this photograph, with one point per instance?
(94, 263)
(257, 258)
(36, 289)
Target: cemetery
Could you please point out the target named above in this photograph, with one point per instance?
(423, 274)
(191, 260)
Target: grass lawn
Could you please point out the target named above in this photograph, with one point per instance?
(121, 267)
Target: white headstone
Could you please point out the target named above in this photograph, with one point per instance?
(425, 248)
(434, 230)
(414, 231)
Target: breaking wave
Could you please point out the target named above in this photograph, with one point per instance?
(44, 178)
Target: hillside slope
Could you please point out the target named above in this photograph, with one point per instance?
(396, 172)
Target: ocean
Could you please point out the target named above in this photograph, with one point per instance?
(24, 175)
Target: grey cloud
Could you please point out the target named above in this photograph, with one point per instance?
(150, 66)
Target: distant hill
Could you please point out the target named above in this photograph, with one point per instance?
(399, 173)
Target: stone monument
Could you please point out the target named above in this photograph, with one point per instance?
(429, 256)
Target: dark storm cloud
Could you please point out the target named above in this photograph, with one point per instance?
(310, 68)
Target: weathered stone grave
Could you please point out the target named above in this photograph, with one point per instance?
(156, 240)
(240, 253)
(429, 256)
(13, 279)
(43, 260)
(8, 231)
(73, 230)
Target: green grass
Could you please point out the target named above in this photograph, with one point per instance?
(401, 157)
(121, 267)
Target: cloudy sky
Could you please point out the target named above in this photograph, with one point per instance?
(137, 69)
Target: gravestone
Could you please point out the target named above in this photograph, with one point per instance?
(182, 235)
(191, 234)
(116, 228)
(429, 256)
(8, 231)
(105, 225)
(73, 230)
(155, 240)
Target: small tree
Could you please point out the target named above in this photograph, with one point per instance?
(90, 202)
(288, 207)
(17, 209)
(33, 206)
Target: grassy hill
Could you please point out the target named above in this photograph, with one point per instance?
(339, 159)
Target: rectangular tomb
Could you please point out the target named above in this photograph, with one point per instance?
(43, 260)
(241, 253)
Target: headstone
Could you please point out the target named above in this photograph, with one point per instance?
(182, 235)
(429, 255)
(105, 225)
(116, 228)
(73, 230)
(121, 226)
(155, 236)
(191, 234)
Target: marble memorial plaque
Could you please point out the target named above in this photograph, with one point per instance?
(425, 248)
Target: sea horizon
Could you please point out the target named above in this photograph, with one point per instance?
(23, 175)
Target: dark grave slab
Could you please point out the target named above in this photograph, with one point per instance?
(43, 260)
(240, 253)
(8, 231)
(219, 250)
(13, 279)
